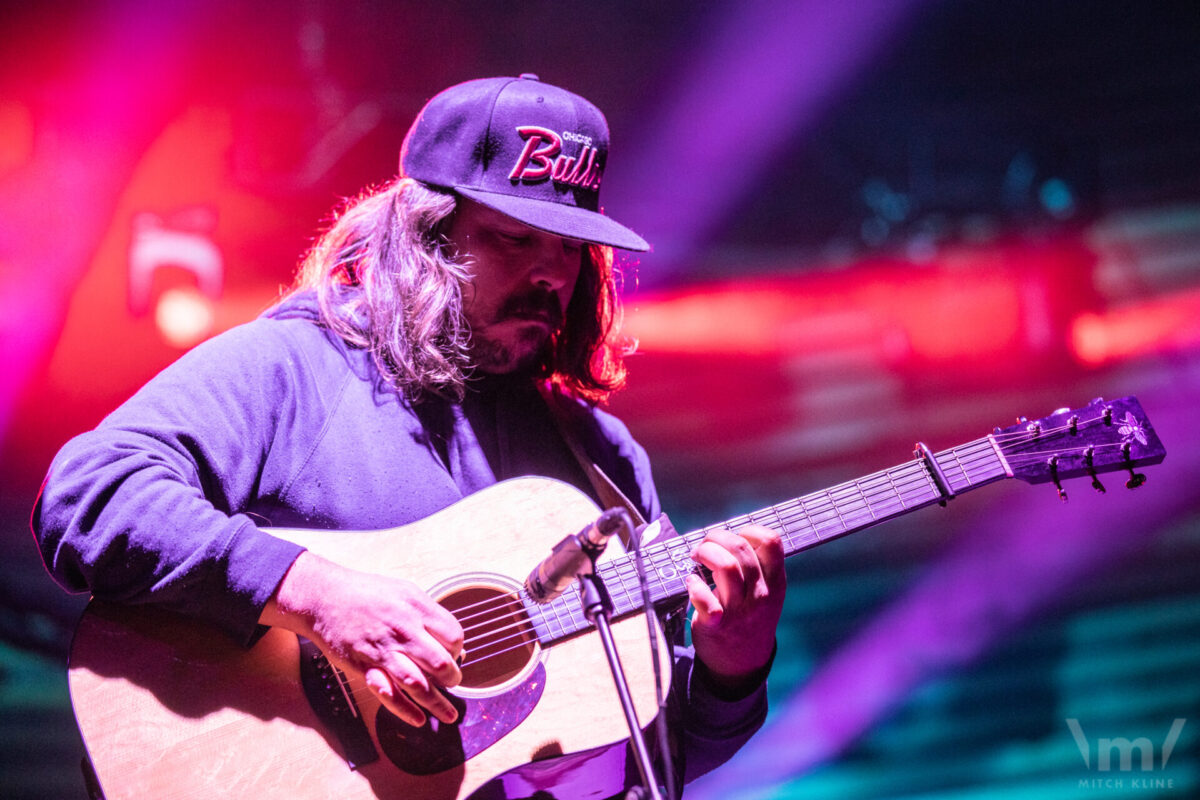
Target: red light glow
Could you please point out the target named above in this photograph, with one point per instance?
(931, 315)
(1166, 324)
(16, 136)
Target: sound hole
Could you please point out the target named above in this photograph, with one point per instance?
(499, 636)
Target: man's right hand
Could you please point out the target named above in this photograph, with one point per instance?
(404, 643)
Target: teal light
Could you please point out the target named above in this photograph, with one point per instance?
(1057, 198)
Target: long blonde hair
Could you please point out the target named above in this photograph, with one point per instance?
(385, 282)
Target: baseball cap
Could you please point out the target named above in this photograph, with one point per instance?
(532, 151)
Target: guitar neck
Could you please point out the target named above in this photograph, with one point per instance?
(802, 523)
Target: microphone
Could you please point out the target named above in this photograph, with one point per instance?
(571, 557)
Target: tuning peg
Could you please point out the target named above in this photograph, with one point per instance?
(1136, 479)
(1053, 463)
(1091, 470)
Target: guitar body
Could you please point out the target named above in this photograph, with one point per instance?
(171, 708)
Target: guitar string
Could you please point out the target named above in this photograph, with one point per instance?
(482, 608)
(965, 461)
(526, 626)
(811, 511)
(981, 447)
(811, 514)
(1031, 456)
(1033, 435)
(805, 510)
(625, 585)
(625, 581)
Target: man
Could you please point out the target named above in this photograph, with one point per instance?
(399, 376)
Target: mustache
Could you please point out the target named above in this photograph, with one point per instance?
(541, 305)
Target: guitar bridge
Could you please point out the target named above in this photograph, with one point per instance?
(329, 696)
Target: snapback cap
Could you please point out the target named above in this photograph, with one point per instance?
(527, 149)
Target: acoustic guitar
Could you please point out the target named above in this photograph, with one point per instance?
(171, 708)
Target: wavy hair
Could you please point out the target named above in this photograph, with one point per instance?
(385, 280)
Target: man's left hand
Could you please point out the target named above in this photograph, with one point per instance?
(734, 626)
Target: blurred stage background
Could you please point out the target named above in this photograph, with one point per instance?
(874, 222)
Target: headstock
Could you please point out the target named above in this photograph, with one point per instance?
(1103, 436)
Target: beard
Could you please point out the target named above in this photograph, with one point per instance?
(516, 348)
(524, 355)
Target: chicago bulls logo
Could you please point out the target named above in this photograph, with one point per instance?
(542, 158)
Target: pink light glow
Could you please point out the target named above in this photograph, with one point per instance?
(1168, 323)
(930, 315)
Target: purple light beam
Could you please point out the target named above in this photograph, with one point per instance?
(768, 71)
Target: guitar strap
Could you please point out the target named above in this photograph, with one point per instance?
(610, 495)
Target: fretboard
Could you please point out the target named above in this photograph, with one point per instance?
(802, 523)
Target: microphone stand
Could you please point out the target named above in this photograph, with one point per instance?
(597, 608)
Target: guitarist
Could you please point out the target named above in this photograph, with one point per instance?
(400, 374)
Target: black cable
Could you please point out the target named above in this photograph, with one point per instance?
(660, 722)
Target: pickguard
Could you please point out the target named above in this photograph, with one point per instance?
(482, 721)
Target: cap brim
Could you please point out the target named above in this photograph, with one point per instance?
(559, 219)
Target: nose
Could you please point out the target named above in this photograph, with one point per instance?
(557, 264)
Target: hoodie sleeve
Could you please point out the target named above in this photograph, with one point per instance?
(143, 509)
(714, 726)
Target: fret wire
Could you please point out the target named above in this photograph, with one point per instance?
(658, 569)
(677, 550)
(628, 575)
(958, 462)
(895, 490)
(819, 519)
(929, 481)
(653, 571)
(865, 500)
(814, 517)
(815, 510)
(563, 602)
(984, 468)
(533, 611)
(556, 606)
(552, 621)
(981, 451)
(778, 517)
(630, 585)
(837, 510)
(615, 572)
(981, 456)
